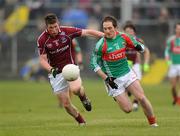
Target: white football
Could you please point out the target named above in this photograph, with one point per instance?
(70, 72)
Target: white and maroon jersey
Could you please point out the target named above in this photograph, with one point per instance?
(58, 48)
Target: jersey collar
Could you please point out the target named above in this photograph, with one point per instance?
(58, 32)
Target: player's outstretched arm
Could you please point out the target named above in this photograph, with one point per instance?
(146, 55)
(90, 32)
(146, 67)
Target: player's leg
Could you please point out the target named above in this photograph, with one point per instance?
(61, 89)
(172, 74)
(178, 85)
(77, 88)
(119, 95)
(173, 82)
(136, 89)
(137, 69)
(65, 101)
(124, 102)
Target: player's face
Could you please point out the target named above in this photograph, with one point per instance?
(129, 31)
(53, 29)
(178, 30)
(109, 30)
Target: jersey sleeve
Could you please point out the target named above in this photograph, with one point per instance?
(74, 32)
(140, 40)
(41, 47)
(167, 49)
(96, 56)
(132, 42)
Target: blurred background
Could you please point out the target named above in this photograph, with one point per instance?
(22, 21)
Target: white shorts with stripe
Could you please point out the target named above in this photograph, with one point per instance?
(123, 82)
(58, 84)
(174, 70)
(137, 69)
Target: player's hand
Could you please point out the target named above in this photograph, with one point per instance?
(130, 63)
(146, 67)
(111, 83)
(169, 62)
(54, 72)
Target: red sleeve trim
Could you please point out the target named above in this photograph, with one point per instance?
(129, 42)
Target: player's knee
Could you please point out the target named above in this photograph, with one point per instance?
(141, 97)
(75, 89)
(66, 104)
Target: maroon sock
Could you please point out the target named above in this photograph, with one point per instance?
(151, 120)
(80, 119)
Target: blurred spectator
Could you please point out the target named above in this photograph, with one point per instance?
(164, 15)
(85, 3)
(163, 21)
(116, 9)
(2, 3)
(75, 17)
(5, 44)
(152, 11)
(136, 14)
(78, 18)
(96, 17)
(56, 6)
(163, 25)
(32, 70)
(36, 7)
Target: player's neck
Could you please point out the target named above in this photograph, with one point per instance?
(178, 35)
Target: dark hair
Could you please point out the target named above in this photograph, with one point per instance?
(110, 19)
(129, 24)
(50, 18)
(178, 23)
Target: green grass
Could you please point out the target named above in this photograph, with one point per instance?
(30, 109)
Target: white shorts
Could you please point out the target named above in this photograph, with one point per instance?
(137, 69)
(174, 70)
(123, 82)
(58, 84)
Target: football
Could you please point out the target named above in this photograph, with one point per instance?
(70, 72)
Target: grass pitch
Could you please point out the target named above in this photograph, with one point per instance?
(30, 109)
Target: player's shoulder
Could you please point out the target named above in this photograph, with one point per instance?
(121, 33)
(124, 35)
(43, 36)
(170, 38)
(139, 39)
(99, 43)
(68, 28)
(64, 28)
